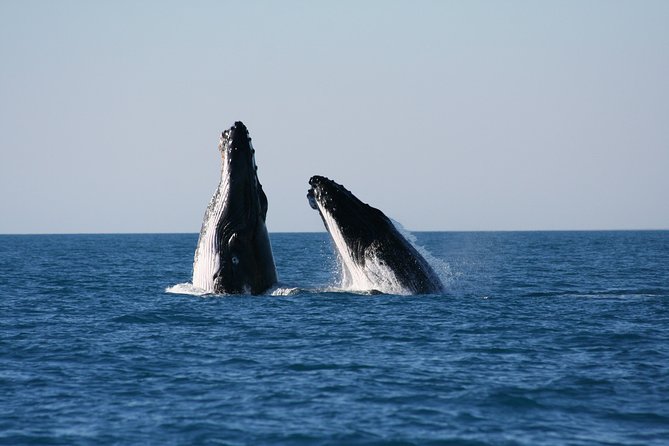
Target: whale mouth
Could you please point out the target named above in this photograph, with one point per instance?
(312, 199)
(320, 191)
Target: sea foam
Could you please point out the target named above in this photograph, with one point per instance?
(186, 288)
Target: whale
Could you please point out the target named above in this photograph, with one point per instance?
(373, 254)
(233, 254)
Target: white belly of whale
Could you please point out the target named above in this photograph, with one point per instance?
(207, 258)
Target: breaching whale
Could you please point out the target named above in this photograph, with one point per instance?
(374, 255)
(233, 254)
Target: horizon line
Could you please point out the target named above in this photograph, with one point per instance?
(325, 232)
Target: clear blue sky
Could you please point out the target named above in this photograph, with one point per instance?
(446, 115)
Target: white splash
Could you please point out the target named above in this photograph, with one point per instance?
(186, 288)
(285, 291)
(442, 268)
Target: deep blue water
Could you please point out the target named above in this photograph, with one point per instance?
(542, 339)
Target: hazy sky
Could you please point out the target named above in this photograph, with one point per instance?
(494, 115)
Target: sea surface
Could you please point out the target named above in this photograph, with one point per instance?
(543, 338)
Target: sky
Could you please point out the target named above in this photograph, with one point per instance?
(468, 115)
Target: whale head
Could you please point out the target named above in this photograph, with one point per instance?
(374, 255)
(234, 255)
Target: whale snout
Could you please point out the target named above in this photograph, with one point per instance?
(323, 191)
(316, 180)
(235, 138)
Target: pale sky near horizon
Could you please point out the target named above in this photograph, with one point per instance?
(471, 115)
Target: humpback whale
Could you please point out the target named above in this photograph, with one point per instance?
(233, 254)
(374, 255)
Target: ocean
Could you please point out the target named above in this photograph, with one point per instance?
(542, 338)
